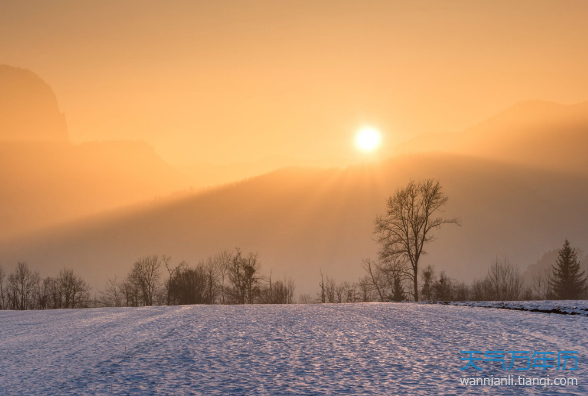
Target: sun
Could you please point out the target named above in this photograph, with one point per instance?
(368, 139)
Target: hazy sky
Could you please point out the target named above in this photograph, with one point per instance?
(225, 81)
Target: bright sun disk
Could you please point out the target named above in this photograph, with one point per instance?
(368, 139)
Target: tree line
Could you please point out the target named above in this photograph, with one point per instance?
(403, 232)
(503, 281)
(225, 278)
(235, 278)
(24, 289)
(229, 277)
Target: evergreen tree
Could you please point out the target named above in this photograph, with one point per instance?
(398, 290)
(567, 282)
(427, 276)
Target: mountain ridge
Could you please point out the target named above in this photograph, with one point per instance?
(539, 133)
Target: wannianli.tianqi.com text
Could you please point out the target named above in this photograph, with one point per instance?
(518, 380)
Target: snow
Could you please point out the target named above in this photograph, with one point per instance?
(375, 348)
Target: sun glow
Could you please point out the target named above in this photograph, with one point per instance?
(368, 139)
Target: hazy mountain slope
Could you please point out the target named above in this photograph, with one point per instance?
(202, 175)
(45, 183)
(535, 133)
(302, 220)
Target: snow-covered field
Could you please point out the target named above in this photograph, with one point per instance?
(378, 348)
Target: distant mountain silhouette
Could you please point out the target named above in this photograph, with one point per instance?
(536, 133)
(302, 220)
(28, 108)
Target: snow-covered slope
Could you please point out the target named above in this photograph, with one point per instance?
(378, 348)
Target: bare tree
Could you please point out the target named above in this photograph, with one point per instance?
(189, 286)
(305, 298)
(290, 286)
(131, 293)
(461, 292)
(387, 278)
(408, 224)
(112, 295)
(374, 275)
(540, 284)
(365, 286)
(172, 272)
(50, 295)
(244, 277)
(22, 285)
(479, 290)
(330, 290)
(2, 299)
(75, 291)
(279, 292)
(251, 267)
(238, 289)
(323, 289)
(211, 269)
(394, 274)
(351, 289)
(504, 280)
(340, 291)
(145, 278)
(223, 262)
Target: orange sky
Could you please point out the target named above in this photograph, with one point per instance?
(231, 81)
